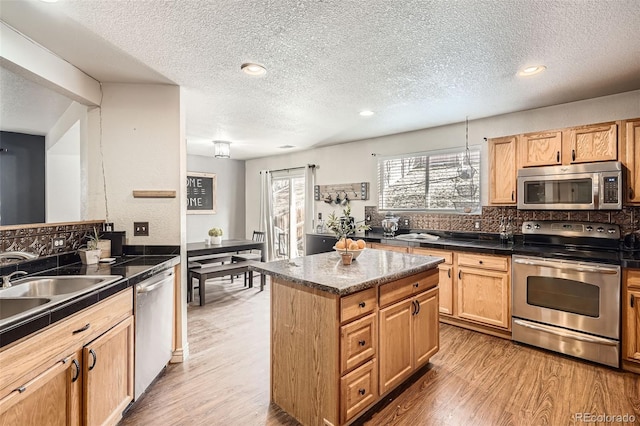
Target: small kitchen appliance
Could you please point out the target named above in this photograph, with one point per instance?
(390, 225)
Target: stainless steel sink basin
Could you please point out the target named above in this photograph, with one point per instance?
(14, 306)
(31, 295)
(53, 286)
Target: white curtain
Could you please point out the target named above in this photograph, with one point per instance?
(266, 212)
(309, 204)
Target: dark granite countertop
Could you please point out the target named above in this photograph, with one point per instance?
(326, 272)
(133, 269)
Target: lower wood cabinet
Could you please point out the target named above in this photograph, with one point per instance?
(389, 247)
(445, 284)
(631, 320)
(70, 374)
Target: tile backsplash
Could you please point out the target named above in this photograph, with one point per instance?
(38, 238)
(489, 220)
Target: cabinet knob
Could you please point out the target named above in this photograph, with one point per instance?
(480, 262)
(416, 285)
(362, 304)
(362, 391)
(558, 157)
(513, 195)
(573, 155)
(362, 342)
(459, 275)
(449, 272)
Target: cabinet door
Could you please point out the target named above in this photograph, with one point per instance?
(108, 375)
(396, 344)
(632, 326)
(425, 328)
(51, 398)
(632, 160)
(446, 289)
(502, 170)
(484, 296)
(593, 143)
(540, 149)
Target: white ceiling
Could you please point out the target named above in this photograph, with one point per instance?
(416, 63)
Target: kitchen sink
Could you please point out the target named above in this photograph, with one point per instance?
(14, 306)
(55, 286)
(31, 295)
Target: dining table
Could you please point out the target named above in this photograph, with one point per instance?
(226, 246)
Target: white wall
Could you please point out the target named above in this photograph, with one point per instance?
(63, 177)
(137, 134)
(230, 199)
(353, 162)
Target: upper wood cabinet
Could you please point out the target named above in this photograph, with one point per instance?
(587, 144)
(502, 170)
(540, 149)
(630, 134)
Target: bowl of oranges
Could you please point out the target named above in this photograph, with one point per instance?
(355, 247)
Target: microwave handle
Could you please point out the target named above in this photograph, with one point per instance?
(596, 191)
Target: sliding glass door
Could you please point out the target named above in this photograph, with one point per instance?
(288, 192)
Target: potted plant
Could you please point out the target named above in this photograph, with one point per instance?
(215, 235)
(342, 228)
(90, 255)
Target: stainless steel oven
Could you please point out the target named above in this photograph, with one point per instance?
(570, 302)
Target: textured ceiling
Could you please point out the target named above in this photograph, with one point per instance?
(417, 64)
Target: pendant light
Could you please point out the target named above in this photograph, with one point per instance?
(465, 197)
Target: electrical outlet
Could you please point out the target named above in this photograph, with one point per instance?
(140, 229)
(405, 222)
(368, 218)
(476, 225)
(58, 242)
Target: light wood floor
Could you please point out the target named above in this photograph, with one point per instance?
(474, 379)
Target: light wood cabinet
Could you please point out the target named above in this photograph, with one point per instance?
(592, 143)
(502, 170)
(540, 149)
(389, 247)
(445, 284)
(76, 390)
(631, 320)
(631, 159)
(348, 350)
(108, 375)
(408, 330)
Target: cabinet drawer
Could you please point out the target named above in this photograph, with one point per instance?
(358, 390)
(448, 255)
(22, 361)
(357, 304)
(357, 342)
(633, 278)
(497, 263)
(389, 247)
(406, 287)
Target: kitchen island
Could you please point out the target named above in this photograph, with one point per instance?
(344, 336)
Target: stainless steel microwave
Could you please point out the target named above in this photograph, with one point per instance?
(593, 186)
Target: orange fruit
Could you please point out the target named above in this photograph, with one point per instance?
(349, 241)
(361, 244)
(340, 244)
(353, 246)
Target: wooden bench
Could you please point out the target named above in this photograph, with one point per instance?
(205, 272)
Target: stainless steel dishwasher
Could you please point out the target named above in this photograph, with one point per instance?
(154, 328)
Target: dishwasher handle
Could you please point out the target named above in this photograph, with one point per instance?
(154, 282)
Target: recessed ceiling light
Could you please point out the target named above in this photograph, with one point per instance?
(287, 146)
(366, 113)
(253, 69)
(532, 70)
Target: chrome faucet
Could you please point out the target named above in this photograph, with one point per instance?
(17, 255)
(6, 279)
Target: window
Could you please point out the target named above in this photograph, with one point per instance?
(437, 180)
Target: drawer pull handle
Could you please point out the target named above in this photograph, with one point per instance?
(362, 304)
(95, 359)
(80, 330)
(362, 391)
(573, 155)
(76, 374)
(417, 306)
(416, 285)
(558, 157)
(362, 342)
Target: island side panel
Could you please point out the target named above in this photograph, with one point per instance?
(305, 345)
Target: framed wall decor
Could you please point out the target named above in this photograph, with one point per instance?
(201, 193)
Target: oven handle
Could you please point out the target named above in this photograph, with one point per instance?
(608, 271)
(583, 338)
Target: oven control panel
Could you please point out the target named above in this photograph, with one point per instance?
(571, 229)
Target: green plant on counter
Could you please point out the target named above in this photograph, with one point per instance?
(215, 232)
(92, 239)
(343, 228)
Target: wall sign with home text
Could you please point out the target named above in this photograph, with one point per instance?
(201, 193)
